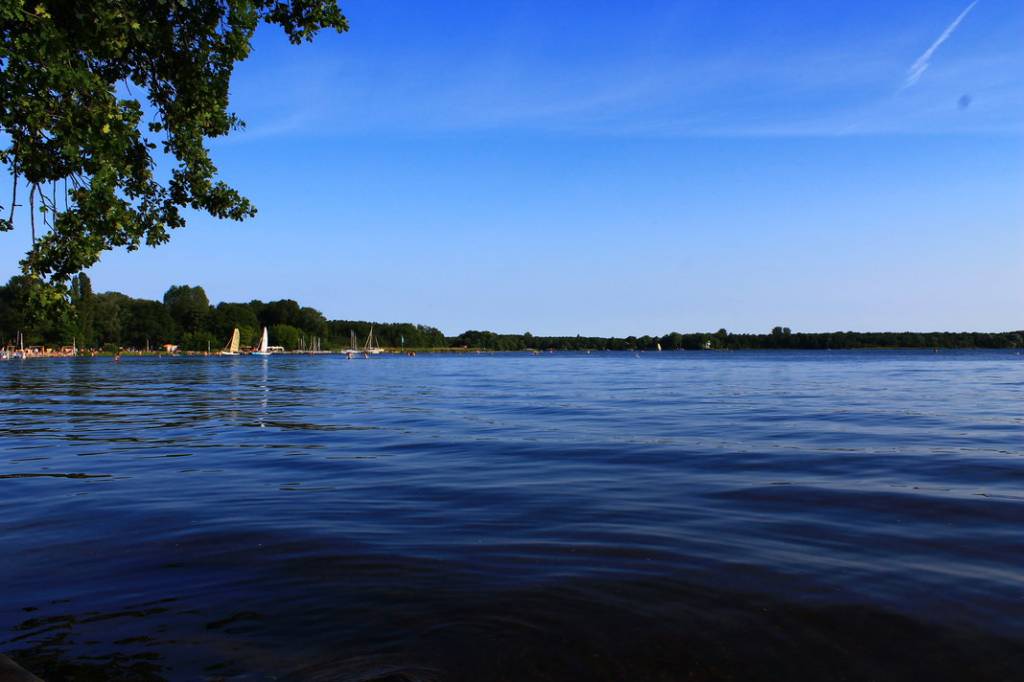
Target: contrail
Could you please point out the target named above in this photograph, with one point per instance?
(921, 65)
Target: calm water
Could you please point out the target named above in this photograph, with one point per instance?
(673, 516)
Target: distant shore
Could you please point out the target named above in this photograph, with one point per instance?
(48, 353)
(186, 320)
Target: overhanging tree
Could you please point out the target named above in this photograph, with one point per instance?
(72, 132)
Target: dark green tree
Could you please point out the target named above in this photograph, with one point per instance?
(311, 321)
(14, 309)
(285, 335)
(284, 311)
(673, 341)
(83, 304)
(20, 312)
(226, 316)
(78, 147)
(109, 308)
(188, 307)
(146, 323)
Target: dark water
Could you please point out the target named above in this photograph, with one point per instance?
(673, 516)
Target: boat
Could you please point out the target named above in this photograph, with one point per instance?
(232, 347)
(371, 347)
(264, 347)
(20, 353)
(312, 347)
(353, 344)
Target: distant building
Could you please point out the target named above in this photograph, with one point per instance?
(170, 348)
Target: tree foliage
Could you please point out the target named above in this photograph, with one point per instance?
(188, 307)
(89, 91)
(185, 318)
(779, 338)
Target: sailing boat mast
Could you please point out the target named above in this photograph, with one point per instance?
(264, 347)
(371, 347)
(233, 343)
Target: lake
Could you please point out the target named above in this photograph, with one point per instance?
(613, 516)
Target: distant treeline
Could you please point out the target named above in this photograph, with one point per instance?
(185, 318)
(778, 338)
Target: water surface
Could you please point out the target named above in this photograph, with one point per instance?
(667, 516)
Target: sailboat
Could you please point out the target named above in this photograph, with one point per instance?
(20, 353)
(353, 343)
(371, 347)
(232, 347)
(264, 347)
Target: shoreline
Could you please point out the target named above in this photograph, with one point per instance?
(412, 352)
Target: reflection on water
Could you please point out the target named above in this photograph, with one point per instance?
(681, 516)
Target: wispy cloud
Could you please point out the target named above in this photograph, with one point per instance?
(918, 68)
(731, 89)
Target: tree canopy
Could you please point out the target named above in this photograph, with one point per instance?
(90, 90)
(186, 318)
(187, 306)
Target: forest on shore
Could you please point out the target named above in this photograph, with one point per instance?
(779, 338)
(185, 317)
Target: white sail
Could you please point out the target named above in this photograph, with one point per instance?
(265, 341)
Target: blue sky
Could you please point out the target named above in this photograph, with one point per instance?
(600, 168)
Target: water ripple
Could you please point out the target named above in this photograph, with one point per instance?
(726, 516)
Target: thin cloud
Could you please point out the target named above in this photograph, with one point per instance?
(921, 65)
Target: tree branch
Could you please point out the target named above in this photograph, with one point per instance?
(32, 212)
(14, 194)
